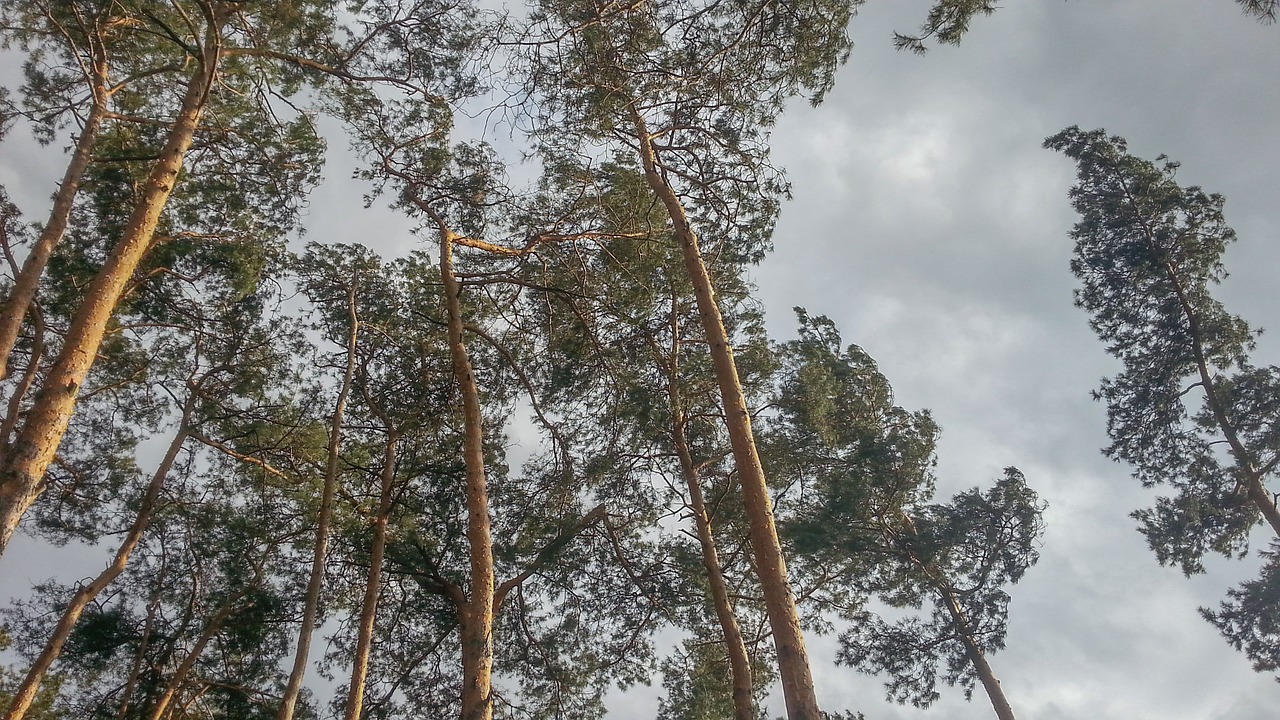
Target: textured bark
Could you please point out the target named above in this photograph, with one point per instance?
(26, 692)
(735, 646)
(23, 293)
(780, 604)
(373, 585)
(311, 605)
(22, 470)
(475, 618)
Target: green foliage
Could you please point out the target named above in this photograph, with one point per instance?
(1250, 619)
(1147, 253)
(958, 557)
(947, 22)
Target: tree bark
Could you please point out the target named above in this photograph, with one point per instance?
(739, 660)
(780, 605)
(311, 605)
(475, 618)
(23, 293)
(26, 692)
(373, 584)
(735, 646)
(22, 471)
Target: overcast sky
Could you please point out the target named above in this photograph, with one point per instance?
(931, 226)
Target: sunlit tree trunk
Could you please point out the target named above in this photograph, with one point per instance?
(22, 471)
(27, 281)
(26, 692)
(373, 584)
(475, 618)
(739, 660)
(193, 656)
(735, 646)
(780, 605)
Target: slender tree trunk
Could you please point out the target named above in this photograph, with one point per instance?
(23, 293)
(189, 662)
(140, 655)
(475, 618)
(311, 605)
(735, 646)
(990, 683)
(1256, 491)
(26, 692)
(780, 604)
(22, 470)
(373, 584)
(739, 660)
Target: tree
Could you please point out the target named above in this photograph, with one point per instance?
(959, 556)
(1147, 253)
(689, 91)
(860, 470)
(219, 63)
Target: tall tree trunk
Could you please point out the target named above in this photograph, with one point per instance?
(475, 617)
(990, 683)
(22, 470)
(735, 647)
(1253, 485)
(739, 660)
(311, 604)
(23, 293)
(373, 583)
(780, 604)
(26, 692)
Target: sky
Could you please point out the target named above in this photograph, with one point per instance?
(927, 221)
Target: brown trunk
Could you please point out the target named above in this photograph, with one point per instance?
(373, 584)
(311, 605)
(1253, 486)
(189, 662)
(780, 605)
(23, 293)
(475, 618)
(739, 661)
(22, 471)
(979, 659)
(26, 692)
(735, 647)
(140, 655)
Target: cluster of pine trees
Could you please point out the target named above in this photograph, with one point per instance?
(300, 453)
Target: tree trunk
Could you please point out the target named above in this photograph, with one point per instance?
(311, 605)
(739, 661)
(979, 659)
(780, 604)
(26, 692)
(735, 647)
(1254, 488)
(189, 662)
(23, 293)
(22, 471)
(373, 584)
(475, 618)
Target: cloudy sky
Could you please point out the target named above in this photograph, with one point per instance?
(931, 226)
